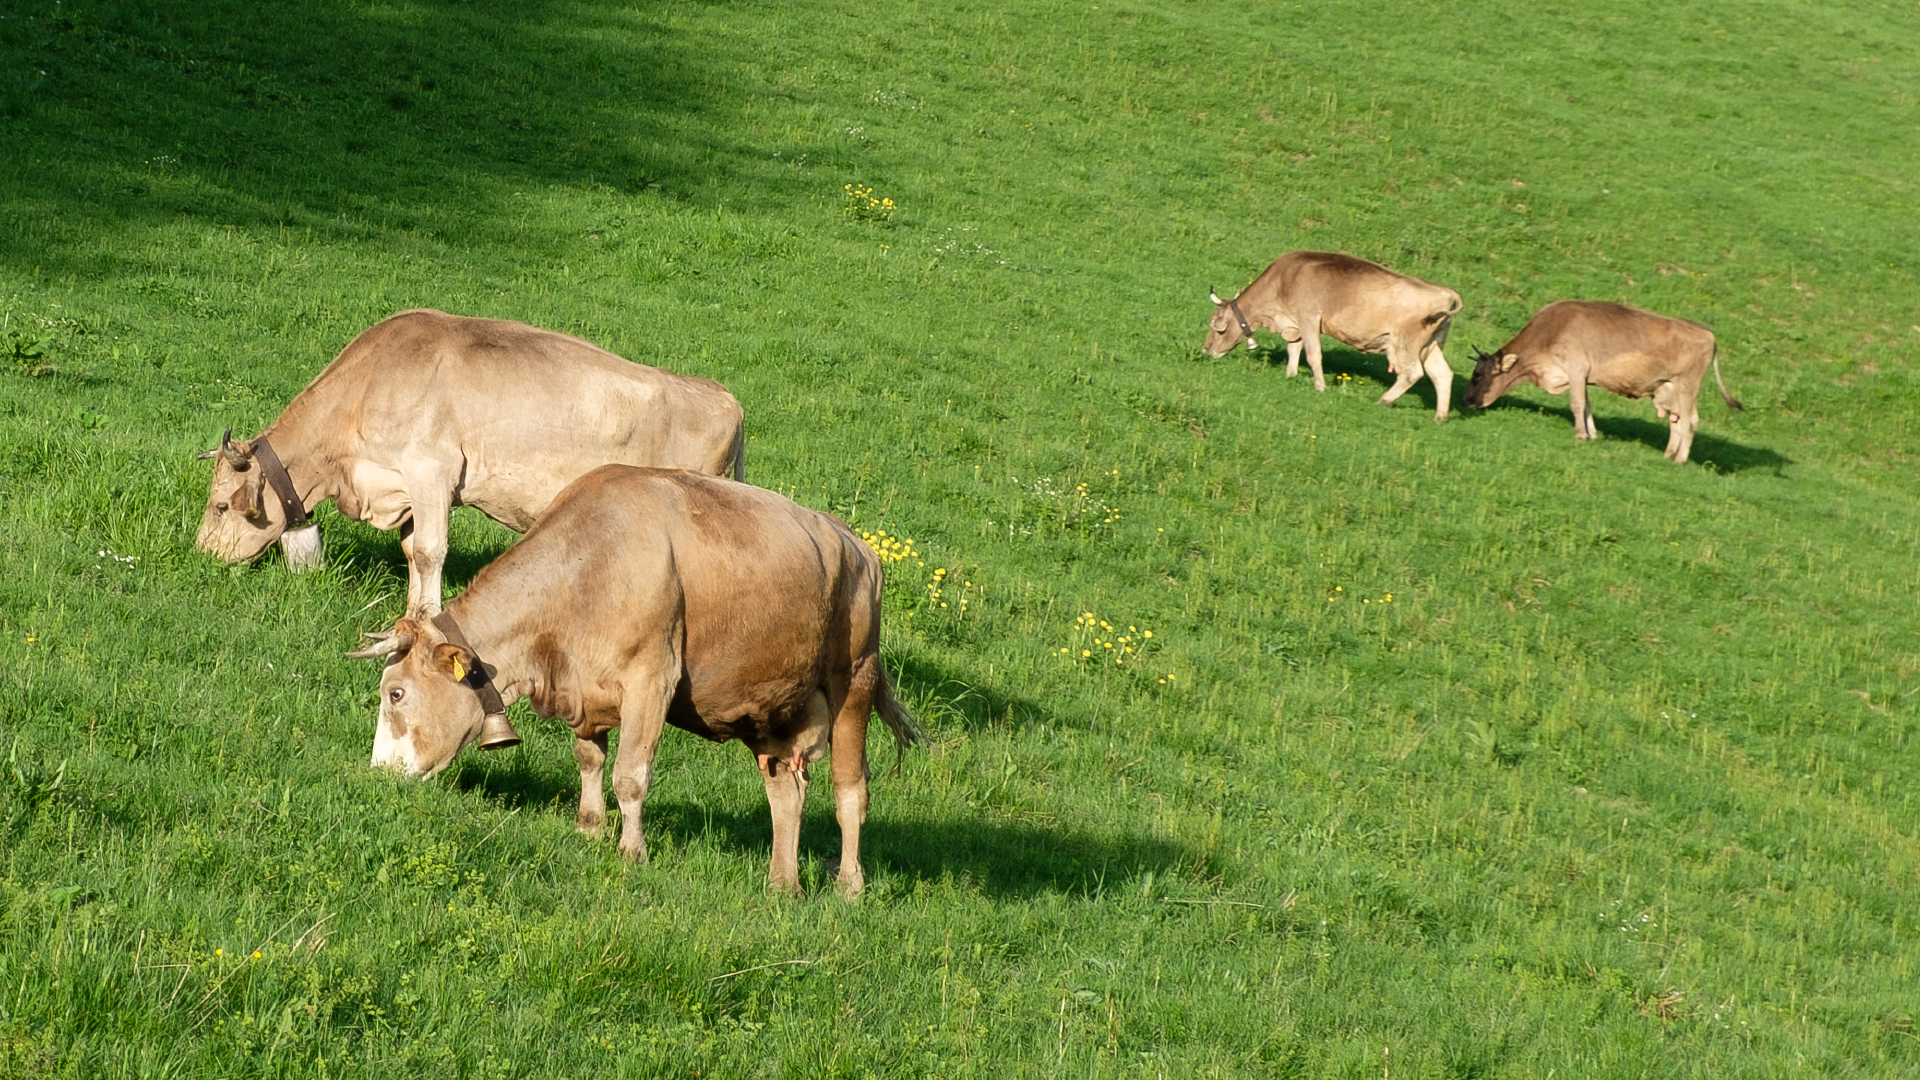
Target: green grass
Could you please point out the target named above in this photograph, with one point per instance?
(1620, 782)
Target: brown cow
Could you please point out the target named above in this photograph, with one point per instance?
(1634, 353)
(1304, 294)
(647, 597)
(427, 411)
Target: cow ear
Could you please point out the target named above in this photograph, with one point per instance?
(453, 661)
(247, 498)
(1507, 362)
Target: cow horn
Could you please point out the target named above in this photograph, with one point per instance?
(232, 453)
(1214, 296)
(391, 643)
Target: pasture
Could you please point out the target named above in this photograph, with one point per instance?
(1455, 751)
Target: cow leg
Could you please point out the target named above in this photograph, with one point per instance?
(1683, 418)
(1577, 397)
(786, 781)
(643, 716)
(1442, 376)
(786, 793)
(424, 542)
(1294, 345)
(1310, 337)
(591, 754)
(1406, 372)
(850, 781)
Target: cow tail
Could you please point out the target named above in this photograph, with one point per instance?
(1732, 402)
(906, 730)
(740, 452)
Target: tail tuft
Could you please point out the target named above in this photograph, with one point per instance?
(906, 730)
(1732, 402)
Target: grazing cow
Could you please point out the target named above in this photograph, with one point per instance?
(1365, 305)
(427, 411)
(647, 597)
(1571, 343)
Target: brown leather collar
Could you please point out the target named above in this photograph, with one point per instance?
(478, 679)
(1244, 328)
(290, 502)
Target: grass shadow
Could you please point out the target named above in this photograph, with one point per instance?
(343, 120)
(1709, 450)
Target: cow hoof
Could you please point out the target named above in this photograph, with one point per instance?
(1440, 419)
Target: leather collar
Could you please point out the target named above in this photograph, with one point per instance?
(290, 502)
(1234, 304)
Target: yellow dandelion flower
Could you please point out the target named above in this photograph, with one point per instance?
(1084, 653)
(256, 954)
(1148, 633)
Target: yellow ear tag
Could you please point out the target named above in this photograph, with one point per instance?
(459, 670)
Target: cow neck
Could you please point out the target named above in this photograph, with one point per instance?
(291, 504)
(1234, 306)
(478, 679)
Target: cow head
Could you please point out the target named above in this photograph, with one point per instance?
(428, 711)
(1226, 330)
(1493, 375)
(243, 518)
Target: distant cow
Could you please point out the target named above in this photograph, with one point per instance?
(1364, 305)
(1634, 353)
(427, 411)
(647, 597)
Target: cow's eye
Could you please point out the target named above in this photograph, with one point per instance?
(394, 695)
(222, 507)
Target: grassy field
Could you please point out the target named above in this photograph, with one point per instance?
(1456, 751)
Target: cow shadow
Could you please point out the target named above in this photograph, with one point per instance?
(1363, 371)
(1005, 859)
(372, 551)
(954, 702)
(1005, 851)
(1709, 451)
